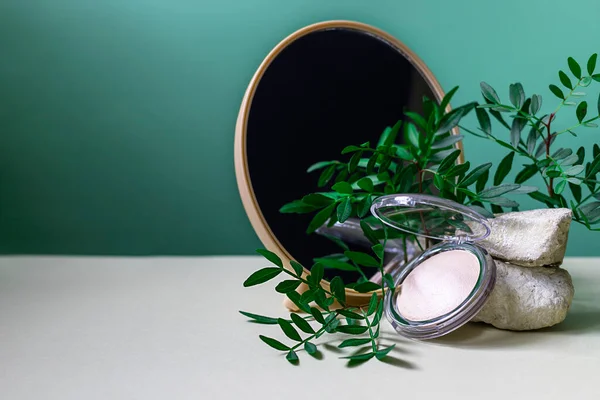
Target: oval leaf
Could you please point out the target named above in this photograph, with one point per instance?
(362, 258)
(591, 64)
(261, 319)
(557, 92)
(301, 323)
(287, 286)
(475, 174)
(581, 111)
(289, 330)
(574, 67)
(344, 210)
(489, 93)
(496, 191)
(354, 342)
(564, 79)
(352, 329)
(262, 276)
(269, 255)
(277, 345)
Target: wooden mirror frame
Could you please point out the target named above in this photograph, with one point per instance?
(242, 172)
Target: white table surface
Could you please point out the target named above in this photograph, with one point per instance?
(168, 328)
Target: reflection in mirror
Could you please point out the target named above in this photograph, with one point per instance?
(324, 90)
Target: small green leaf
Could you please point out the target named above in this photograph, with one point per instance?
(272, 257)
(316, 273)
(560, 187)
(451, 120)
(499, 190)
(482, 181)
(326, 175)
(596, 77)
(354, 342)
(449, 161)
(447, 142)
(353, 163)
(298, 268)
(536, 103)
(526, 173)
(369, 232)
(581, 111)
(289, 330)
(458, 170)
(574, 67)
(261, 319)
(343, 188)
(489, 93)
(335, 264)
(352, 329)
(531, 140)
(344, 209)
(517, 94)
(591, 64)
(287, 286)
(301, 323)
(378, 250)
(320, 165)
(292, 357)
(389, 281)
(310, 348)
(320, 218)
(411, 135)
(262, 276)
(381, 354)
(564, 79)
(317, 315)
(362, 258)
(515, 131)
(366, 184)
(475, 174)
(360, 357)
(364, 206)
(484, 120)
(277, 345)
(338, 289)
(366, 287)
(295, 298)
(446, 100)
(373, 304)
(350, 314)
(557, 92)
(417, 119)
(576, 190)
(350, 149)
(574, 170)
(297, 207)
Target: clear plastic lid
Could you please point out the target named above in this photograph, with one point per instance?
(431, 217)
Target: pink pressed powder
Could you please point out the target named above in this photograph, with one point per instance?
(438, 285)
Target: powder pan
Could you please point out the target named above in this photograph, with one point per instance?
(454, 227)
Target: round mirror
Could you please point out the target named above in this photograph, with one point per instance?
(324, 87)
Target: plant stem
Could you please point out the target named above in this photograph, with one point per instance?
(548, 141)
(578, 125)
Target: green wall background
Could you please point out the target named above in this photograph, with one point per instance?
(117, 116)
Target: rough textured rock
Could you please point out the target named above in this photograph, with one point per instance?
(529, 238)
(526, 298)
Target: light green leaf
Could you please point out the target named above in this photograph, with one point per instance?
(292, 357)
(366, 184)
(335, 264)
(502, 202)
(378, 250)
(574, 170)
(560, 187)
(515, 131)
(343, 188)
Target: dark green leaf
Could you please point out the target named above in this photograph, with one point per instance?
(316, 273)
(317, 315)
(320, 218)
(475, 174)
(447, 142)
(301, 323)
(354, 342)
(297, 207)
(326, 175)
(504, 168)
(310, 348)
(287, 286)
(564, 79)
(489, 93)
(531, 140)
(298, 268)
(598, 105)
(560, 187)
(365, 287)
(296, 299)
(484, 120)
(360, 357)
(272, 257)
(289, 330)
(378, 250)
(362, 258)
(335, 264)
(338, 289)
(515, 131)
(343, 187)
(446, 100)
(562, 153)
(352, 329)
(596, 77)
(557, 92)
(594, 166)
(591, 64)
(292, 357)
(526, 173)
(482, 181)
(417, 119)
(451, 120)
(499, 190)
(381, 354)
(369, 232)
(457, 170)
(321, 164)
(449, 161)
(576, 190)
(277, 345)
(517, 94)
(317, 199)
(262, 276)
(344, 210)
(366, 184)
(364, 206)
(574, 67)
(373, 304)
(389, 280)
(354, 160)
(261, 319)
(536, 103)
(581, 111)
(350, 149)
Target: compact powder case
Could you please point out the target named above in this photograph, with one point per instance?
(446, 285)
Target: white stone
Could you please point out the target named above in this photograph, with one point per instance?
(529, 238)
(526, 298)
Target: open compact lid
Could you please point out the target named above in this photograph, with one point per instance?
(431, 217)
